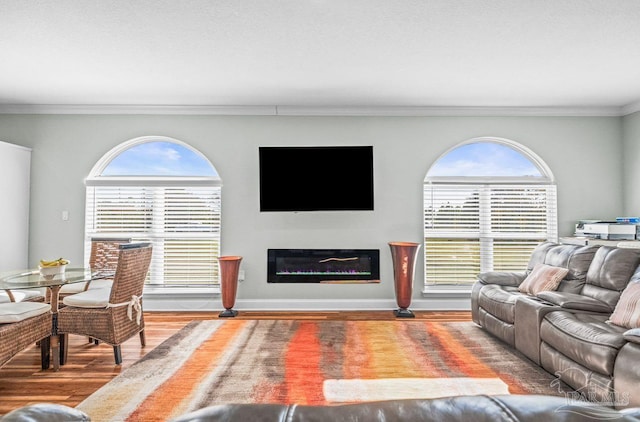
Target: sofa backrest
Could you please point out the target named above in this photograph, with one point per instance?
(609, 273)
(576, 258)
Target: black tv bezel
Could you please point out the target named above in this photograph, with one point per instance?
(369, 206)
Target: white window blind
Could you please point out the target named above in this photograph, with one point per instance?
(473, 228)
(182, 222)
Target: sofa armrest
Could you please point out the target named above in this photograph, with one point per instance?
(502, 278)
(632, 335)
(573, 301)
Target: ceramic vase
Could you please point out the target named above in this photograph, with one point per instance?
(229, 267)
(403, 255)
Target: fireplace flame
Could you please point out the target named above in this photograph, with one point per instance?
(355, 258)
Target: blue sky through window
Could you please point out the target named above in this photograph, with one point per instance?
(484, 159)
(159, 159)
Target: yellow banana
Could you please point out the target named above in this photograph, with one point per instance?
(56, 263)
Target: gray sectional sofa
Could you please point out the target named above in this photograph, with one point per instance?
(567, 331)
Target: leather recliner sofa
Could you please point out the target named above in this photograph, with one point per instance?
(494, 295)
(567, 331)
(511, 408)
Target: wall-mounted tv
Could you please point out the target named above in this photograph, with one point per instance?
(322, 178)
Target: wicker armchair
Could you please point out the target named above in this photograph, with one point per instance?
(103, 257)
(111, 315)
(23, 324)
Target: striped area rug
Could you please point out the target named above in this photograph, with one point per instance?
(313, 362)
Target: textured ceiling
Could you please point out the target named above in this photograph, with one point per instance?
(440, 53)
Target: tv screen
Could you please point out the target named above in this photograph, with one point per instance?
(334, 178)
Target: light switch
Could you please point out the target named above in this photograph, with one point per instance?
(65, 215)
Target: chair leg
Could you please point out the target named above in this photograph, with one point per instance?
(117, 353)
(45, 352)
(143, 340)
(64, 348)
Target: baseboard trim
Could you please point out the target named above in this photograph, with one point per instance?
(159, 304)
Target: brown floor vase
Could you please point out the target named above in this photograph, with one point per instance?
(404, 256)
(229, 267)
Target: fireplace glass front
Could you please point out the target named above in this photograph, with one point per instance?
(323, 265)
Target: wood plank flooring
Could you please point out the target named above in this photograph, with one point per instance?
(91, 366)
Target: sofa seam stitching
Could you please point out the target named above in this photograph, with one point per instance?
(505, 411)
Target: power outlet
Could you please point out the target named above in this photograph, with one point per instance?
(240, 275)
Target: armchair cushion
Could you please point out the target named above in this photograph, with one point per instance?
(80, 287)
(543, 278)
(21, 295)
(575, 301)
(627, 311)
(19, 311)
(92, 298)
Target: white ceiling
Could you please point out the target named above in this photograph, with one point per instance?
(321, 53)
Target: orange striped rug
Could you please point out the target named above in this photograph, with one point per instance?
(313, 362)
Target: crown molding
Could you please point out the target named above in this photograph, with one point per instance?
(240, 110)
(137, 109)
(447, 111)
(631, 108)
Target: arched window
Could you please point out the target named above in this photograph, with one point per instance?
(159, 190)
(487, 203)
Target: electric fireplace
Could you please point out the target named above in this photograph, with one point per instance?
(323, 265)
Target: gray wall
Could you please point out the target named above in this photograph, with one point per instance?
(631, 164)
(584, 154)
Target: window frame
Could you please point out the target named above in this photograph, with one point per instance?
(152, 186)
(484, 236)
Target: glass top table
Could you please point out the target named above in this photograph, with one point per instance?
(32, 279)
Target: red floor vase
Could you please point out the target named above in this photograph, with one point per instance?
(403, 255)
(229, 267)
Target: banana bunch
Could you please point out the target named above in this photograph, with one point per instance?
(56, 263)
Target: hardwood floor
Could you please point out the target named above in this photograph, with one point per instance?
(91, 366)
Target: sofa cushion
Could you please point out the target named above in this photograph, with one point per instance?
(610, 272)
(575, 302)
(627, 311)
(575, 258)
(499, 301)
(543, 277)
(19, 311)
(584, 338)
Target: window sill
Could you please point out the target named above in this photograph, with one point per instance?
(182, 292)
(447, 291)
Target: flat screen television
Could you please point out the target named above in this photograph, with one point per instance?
(322, 178)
